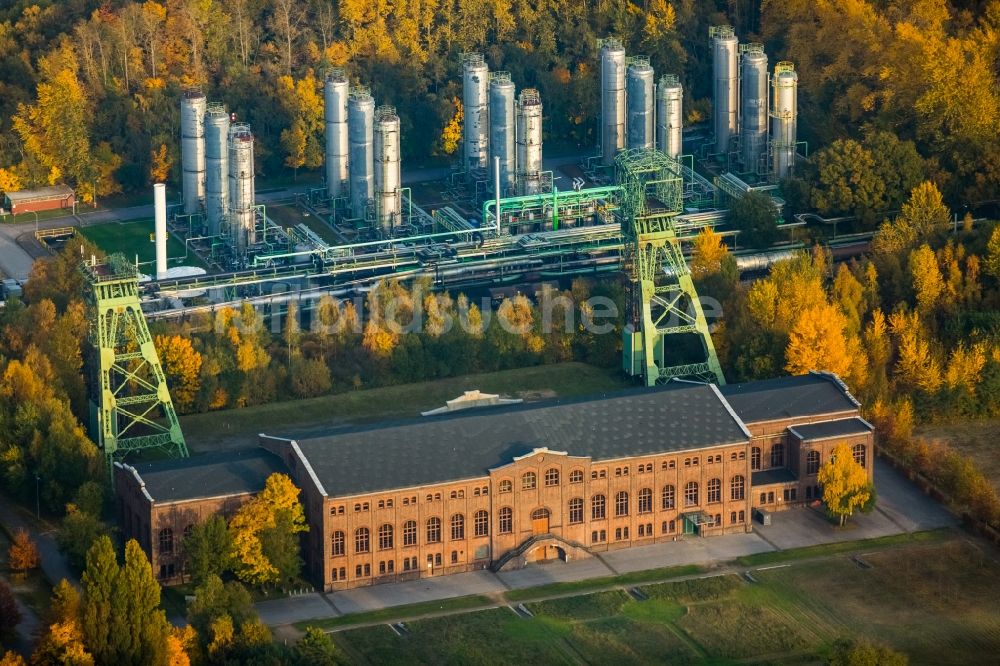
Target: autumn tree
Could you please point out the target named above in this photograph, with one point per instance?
(23, 553)
(264, 542)
(864, 653)
(819, 340)
(182, 367)
(848, 182)
(928, 283)
(845, 483)
(451, 135)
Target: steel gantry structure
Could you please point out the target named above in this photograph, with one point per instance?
(131, 406)
(663, 303)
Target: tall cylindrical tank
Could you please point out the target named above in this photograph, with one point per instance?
(241, 187)
(216, 166)
(193, 150)
(612, 99)
(160, 228)
(335, 94)
(502, 123)
(388, 198)
(754, 107)
(639, 96)
(725, 85)
(361, 131)
(783, 119)
(669, 116)
(476, 104)
(529, 142)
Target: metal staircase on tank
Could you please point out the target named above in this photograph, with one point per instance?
(131, 409)
(662, 300)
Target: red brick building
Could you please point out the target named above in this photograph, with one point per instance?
(499, 487)
(43, 198)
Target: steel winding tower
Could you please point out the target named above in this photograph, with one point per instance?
(662, 298)
(132, 409)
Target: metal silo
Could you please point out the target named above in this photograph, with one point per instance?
(361, 131)
(241, 187)
(216, 166)
(335, 93)
(754, 108)
(783, 118)
(639, 96)
(529, 142)
(193, 150)
(669, 116)
(612, 99)
(725, 88)
(476, 104)
(388, 198)
(502, 122)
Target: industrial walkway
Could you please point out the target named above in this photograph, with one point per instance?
(902, 508)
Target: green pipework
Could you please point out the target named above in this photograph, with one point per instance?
(538, 201)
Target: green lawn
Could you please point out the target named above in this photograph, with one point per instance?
(934, 600)
(395, 612)
(239, 427)
(773, 557)
(132, 238)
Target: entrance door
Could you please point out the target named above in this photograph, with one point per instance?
(540, 521)
(690, 527)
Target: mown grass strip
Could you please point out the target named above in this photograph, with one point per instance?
(807, 552)
(633, 578)
(399, 612)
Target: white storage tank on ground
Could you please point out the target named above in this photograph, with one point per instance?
(754, 109)
(612, 99)
(639, 101)
(241, 187)
(216, 166)
(361, 128)
(529, 142)
(193, 150)
(783, 119)
(335, 94)
(502, 124)
(725, 85)
(475, 102)
(388, 198)
(669, 116)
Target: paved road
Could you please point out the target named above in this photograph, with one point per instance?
(54, 565)
(902, 508)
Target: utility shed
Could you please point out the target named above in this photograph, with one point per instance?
(37, 200)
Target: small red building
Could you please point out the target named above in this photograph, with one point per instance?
(43, 198)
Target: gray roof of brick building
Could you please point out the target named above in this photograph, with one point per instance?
(468, 444)
(828, 429)
(787, 397)
(210, 475)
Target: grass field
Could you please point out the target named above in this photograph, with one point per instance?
(976, 439)
(935, 601)
(132, 238)
(238, 427)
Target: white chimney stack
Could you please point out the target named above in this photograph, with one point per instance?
(160, 228)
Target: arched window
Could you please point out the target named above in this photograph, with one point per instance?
(166, 541)
(812, 462)
(714, 490)
(410, 533)
(385, 537)
(755, 458)
(859, 454)
(528, 481)
(434, 530)
(646, 500)
(187, 531)
(576, 510)
(552, 476)
(337, 544)
(457, 527)
(597, 504)
(361, 536)
(737, 488)
(540, 514)
(576, 476)
(506, 520)
(777, 455)
(691, 494)
(481, 523)
(621, 504)
(506, 486)
(668, 497)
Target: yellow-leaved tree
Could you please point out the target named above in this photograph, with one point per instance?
(451, 135)
(182, 366)
(846, 486)
(265, 547)
(820, 340)
(707, 253)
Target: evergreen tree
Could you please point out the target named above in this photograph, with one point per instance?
(99, 582)
(316, 649)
